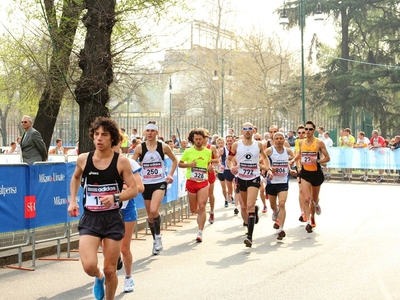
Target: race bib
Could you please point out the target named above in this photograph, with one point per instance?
(247, 170)
(152, 170)
(281, 168)
(308, 158)
(199, 174)
(95, 192)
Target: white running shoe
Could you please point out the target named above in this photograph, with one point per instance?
(128, 285)
(275, 214)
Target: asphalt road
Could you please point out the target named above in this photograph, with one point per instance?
(353, 253)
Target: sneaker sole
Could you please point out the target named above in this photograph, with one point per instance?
(281, 235)
(248, 243)
(309, 228)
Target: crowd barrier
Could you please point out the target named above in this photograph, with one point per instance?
(34, 198)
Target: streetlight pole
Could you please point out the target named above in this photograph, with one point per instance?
(170, 106)
(222, 99)
(302, 20)
(303, 91)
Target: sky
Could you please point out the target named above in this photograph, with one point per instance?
(244, 17)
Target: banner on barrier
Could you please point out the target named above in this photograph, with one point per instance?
(13, 189)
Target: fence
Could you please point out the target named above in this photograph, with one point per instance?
(67, 128)
(34, 200)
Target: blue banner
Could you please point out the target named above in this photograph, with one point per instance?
(49, 184)
(13, 189)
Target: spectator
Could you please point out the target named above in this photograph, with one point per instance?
(376, 142)
(291, 139)
(327, 140)
(58, 149)
(321, 133)
(19, 143)
(32, 144)
(125, 142)
(74, 151)
(214, 140)
(183, 146)
(175, 141)
(362, 142)
(13, 149)
(133, 134)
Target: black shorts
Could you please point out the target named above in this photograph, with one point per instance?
(221, 176)
(108, 224)
(275, 189)
(149, 189)
(315, 178)
(244, 184)
(228, 175)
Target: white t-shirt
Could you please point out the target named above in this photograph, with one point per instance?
(328, 142)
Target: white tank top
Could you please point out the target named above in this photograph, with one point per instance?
(247, 158)
(153, 168)
(279, 161)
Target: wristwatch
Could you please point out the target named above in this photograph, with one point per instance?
(116, 198)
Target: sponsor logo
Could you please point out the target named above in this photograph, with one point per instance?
(60, 201)
(30, 207)
(7, 190)
(43, 178)
(93, 173)
(101, 189)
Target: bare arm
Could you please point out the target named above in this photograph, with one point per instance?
(322, 148)
(73, 207)
(137, 152)
(167, 150)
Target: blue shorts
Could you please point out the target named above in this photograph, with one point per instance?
(130, 212)
(228, 175)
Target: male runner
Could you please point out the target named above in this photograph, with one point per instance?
(247, 153)
(151, 155)
(102, 172)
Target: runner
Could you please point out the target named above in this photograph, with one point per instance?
(221, 167)
(151, 155)
(247, 153)
(102, 173)
(278, 185)
(311, 174)
(197, 161)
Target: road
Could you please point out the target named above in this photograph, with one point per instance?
(353, 253)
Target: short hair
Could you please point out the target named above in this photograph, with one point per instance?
(375, 131)
(327, 133)
(13, 143)
(300, 127)
(278, 133)
(321, 127)
(58, 140)
(310, 123)
(29, 118)
(362, 133)
(347, 130)
(108, 125)
(151, 122)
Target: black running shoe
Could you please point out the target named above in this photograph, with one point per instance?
(248, 241)
(256, 214)
(235, 211)
(120, 263)
(281, 235)
(276, 225)
(309, 228)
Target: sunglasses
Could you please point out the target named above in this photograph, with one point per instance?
(301, 132)
(247, 128)
(24, 122)
(308, 129)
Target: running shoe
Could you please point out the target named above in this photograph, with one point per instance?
(276, 224)
(226, 204)
(211, 219)
(303, 218)
(313, 224)
(199, 237)
(264, 210)
(275, 214)
(120, 263)
(309, 228)
(317, 208)
(232, 200)
(281, 235)
(128, 285)
(248, 242)
(98, 288)
(158, 244)
(235, 211)
(256, 214)
(379, 179)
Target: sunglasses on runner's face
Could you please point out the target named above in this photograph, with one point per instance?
(301, 132)
(247, 128)
(308, 129)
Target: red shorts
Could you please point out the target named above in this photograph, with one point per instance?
(212, 177)
(193, 186)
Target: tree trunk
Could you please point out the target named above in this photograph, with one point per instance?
(96, 64)
(344, 93)
(62, 37)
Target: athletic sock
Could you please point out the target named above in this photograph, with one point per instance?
(153, 233)
(157, 225)
(250, 225)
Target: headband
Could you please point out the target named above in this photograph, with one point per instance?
(151, 127)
